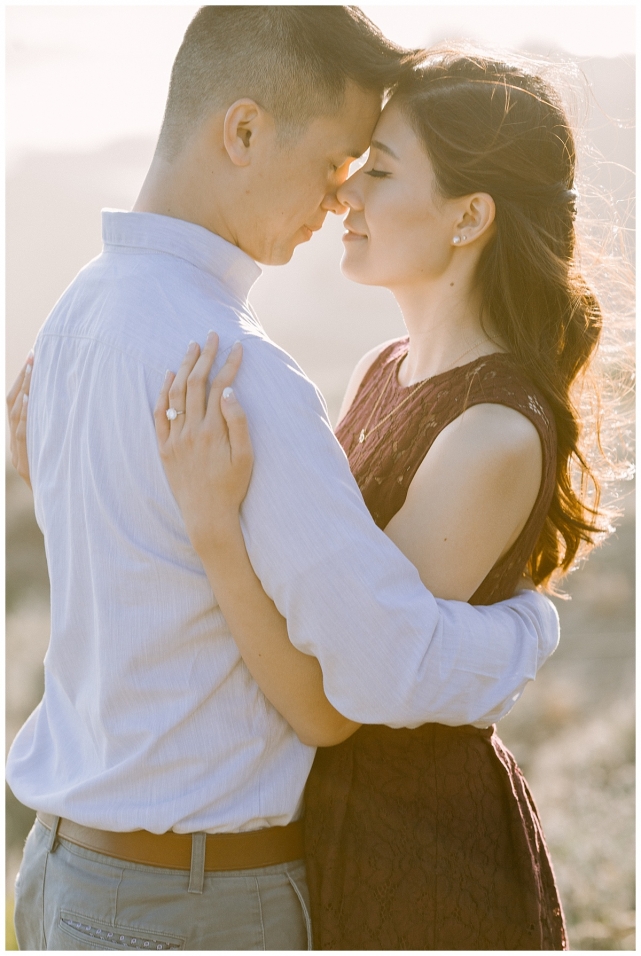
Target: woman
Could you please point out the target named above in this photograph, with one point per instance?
(461, 437)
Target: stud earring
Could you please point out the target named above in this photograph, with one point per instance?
(456, 240)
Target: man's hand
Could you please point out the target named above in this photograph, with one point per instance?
(17, 401)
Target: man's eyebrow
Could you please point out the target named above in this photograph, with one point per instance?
(384, 149)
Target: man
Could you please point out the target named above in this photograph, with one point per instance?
(168, 790)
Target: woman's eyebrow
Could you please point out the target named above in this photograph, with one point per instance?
(384, 149)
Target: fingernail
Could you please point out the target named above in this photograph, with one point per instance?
(30, 355)
(210, 335)
(192, 346)
(235, 346)
(27, 371)
(167, 374)
(25, 399)
(228, 394)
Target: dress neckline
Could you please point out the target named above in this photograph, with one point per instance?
(398, 359)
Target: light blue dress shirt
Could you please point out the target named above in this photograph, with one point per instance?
(150, 718)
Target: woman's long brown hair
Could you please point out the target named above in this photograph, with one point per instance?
(492, 127)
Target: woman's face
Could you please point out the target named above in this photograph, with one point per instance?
(399, 229)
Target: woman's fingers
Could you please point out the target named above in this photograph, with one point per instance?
(242, 454)
(178, 388)
(224, 379)
(186, 391)
(195, 401)
(160, 411)
(19, 452)
(19, 388)
(17, 401)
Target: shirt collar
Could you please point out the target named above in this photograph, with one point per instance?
(186, 240)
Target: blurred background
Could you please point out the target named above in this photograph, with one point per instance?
(85, 94)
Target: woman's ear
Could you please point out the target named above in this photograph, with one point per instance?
(240, 126)
(476, 219)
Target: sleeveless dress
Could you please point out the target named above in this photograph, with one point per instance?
(429, 838)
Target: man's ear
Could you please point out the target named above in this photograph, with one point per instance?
(242, 122)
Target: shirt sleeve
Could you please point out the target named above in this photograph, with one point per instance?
(390, 652)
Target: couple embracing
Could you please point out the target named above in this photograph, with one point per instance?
(231, 589)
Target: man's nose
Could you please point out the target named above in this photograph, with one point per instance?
(334, 201)
(348, 194)
(331, 203)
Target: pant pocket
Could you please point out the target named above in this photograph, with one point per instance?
(76, 931)
(284, 908)
(298, 883)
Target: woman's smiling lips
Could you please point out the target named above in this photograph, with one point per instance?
(350, 235)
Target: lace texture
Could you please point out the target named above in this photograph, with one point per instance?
(429, 838)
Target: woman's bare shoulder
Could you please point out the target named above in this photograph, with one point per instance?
(470, 498)
(494, 441)
(498, 428)
(491, 449)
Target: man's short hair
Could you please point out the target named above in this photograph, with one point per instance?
(293, 61)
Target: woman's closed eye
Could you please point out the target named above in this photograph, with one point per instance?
(376, 173)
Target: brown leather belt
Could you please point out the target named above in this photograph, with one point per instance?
(223, 851)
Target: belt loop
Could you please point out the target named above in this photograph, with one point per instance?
(53, 833)
(197, 871)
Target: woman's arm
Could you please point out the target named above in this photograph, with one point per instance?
(291, 681)
(208, 458)
(469, 499)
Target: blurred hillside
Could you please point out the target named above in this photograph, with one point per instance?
(572, 731)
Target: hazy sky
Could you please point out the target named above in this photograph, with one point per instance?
(79, 77)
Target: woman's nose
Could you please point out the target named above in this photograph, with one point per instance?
(349, 194)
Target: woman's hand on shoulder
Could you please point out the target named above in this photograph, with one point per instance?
(470, 499)
(204, 442)
(17, 400)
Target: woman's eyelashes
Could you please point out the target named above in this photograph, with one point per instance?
(376, 173)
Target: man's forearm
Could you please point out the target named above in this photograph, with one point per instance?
(474, 667)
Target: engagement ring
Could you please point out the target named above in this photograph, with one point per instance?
(172, 413)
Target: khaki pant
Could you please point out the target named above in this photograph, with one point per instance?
(71, 898)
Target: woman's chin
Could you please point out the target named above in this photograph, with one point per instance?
(356, 271)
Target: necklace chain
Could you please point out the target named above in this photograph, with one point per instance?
(367, 430)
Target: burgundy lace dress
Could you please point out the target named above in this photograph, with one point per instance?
(429, 838)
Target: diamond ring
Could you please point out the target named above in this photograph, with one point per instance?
(172, 413)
